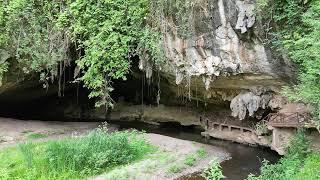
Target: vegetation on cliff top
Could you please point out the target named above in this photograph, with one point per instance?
(296, 33)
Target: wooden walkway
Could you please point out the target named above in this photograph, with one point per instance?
(209, 125)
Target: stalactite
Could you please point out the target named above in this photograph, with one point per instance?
(197, 95)
(159, 90)
(60, 79)
(64, 79)
(189, 87)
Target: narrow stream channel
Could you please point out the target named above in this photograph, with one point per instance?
(245, 159)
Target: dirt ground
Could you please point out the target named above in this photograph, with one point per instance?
(172, 152)
(13, 131)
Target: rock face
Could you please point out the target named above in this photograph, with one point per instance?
(224, 57)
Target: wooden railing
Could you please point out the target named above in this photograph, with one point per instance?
(287, 119)
(209, 125)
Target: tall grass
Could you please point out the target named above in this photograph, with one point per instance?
(74, 157)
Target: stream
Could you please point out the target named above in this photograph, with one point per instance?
(245, 159)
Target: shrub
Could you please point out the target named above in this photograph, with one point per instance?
(213, 172)
(289, 165)
(311, 168)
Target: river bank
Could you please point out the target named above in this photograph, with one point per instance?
(245, 160)
(174, 157)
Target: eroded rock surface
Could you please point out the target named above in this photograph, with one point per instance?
(224, 53)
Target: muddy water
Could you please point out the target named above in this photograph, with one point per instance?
(245, 159)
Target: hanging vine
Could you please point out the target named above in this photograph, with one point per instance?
(30, 36)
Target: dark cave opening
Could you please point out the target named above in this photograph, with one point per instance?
(34, 102)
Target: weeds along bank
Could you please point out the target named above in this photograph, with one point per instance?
(118, 155)
(73, 158)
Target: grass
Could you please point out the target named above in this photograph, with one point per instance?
(175, 168)
(36, 135)
(73, 158)
(191, 159)
(201, 153)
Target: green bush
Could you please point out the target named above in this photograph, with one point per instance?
(73, 157)
(201, 153)
(293, 29)
(288, 166)
(213, 172)
(311, 168)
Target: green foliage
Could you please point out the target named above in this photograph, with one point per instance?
(108, 31)
(190, 160)
(201, 153)
(107, 34)
(73, 158)
(304, 48)
(213, 172)
(29, 35)
(297, 34)
(150, 47)
(311, 168)
(175, 168)
(289, 166)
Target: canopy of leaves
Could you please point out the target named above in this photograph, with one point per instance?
(108, 31)
(293, 164)
(37, 34)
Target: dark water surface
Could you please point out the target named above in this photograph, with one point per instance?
(245, 159)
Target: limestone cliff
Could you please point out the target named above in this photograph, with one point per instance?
(224, 57)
